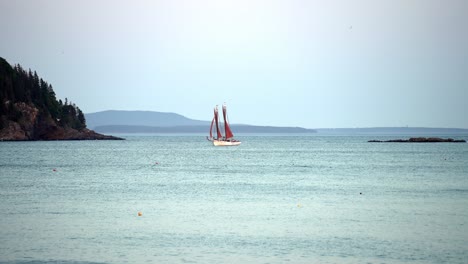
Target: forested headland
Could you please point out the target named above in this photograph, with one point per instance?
(29, 109)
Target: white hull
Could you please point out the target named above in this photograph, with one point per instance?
(226, 143)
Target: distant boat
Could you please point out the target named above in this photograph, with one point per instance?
(220, 140)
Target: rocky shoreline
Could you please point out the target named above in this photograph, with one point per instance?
(33, 126)
(421, 140)
(16, 133)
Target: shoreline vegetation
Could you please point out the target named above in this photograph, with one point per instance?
(29, 110)
(420, 140)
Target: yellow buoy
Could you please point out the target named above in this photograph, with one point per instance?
(140, 214)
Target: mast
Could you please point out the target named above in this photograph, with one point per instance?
(218, 131)
(227, 129)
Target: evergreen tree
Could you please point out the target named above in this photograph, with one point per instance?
(53, 105)
(20, 86)
(81, 119)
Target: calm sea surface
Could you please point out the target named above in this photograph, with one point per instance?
(274, 199)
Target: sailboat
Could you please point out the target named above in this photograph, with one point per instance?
(219, 139)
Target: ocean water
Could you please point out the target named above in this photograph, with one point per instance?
(274, 199)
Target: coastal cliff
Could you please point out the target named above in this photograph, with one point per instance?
(29, 110)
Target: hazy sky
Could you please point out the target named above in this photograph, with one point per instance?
(294, 63)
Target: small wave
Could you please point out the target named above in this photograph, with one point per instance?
(304, 166)
(457, 190)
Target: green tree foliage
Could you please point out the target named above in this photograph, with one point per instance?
(18, 85)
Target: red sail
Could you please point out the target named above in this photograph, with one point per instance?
(211, 128)
(216, 120)
(226, 124)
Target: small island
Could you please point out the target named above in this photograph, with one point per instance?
(29, 110)
(421, 140)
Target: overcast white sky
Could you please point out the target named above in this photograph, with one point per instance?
(285, 63)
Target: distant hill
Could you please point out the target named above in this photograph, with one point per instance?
(199, 129)
(114, 121)
(140, 118)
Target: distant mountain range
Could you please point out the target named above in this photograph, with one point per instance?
(114, 121)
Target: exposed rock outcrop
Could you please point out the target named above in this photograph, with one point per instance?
(34, 126)
(421, 140)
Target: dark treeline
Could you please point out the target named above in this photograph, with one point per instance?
(20, 86)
